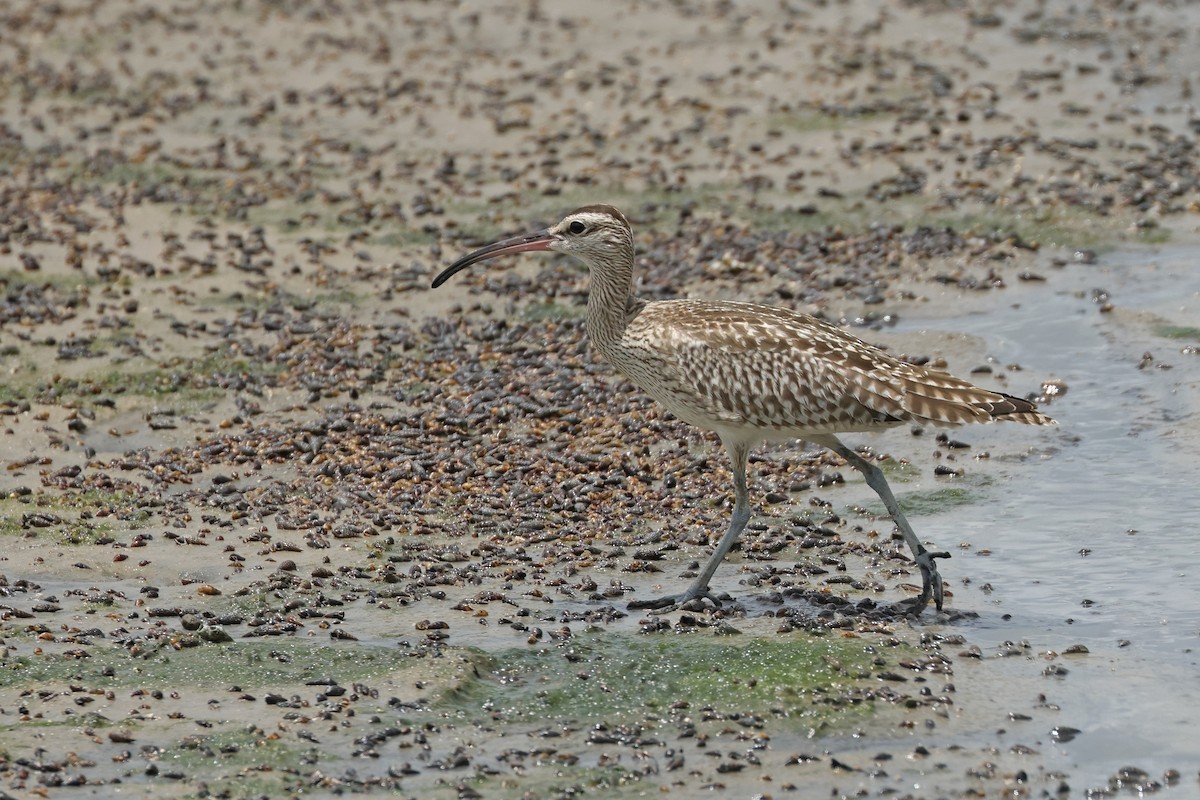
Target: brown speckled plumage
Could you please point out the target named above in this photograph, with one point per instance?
(753, 372)
(778, 374)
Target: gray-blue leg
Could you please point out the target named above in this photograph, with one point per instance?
(738, 453)
(931, 585)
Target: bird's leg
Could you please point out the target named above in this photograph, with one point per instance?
(931, 584)
(738, 452)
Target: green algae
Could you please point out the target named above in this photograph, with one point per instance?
(624, 679)
(1168, 331)
(278, 662)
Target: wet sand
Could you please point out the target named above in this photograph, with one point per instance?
(280, 520)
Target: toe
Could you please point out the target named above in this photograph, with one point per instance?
(653, 604)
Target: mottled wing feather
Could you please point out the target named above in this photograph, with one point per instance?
(767, 367)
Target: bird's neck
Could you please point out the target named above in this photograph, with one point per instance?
(611, 302)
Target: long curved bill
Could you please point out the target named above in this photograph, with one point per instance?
(517, 244)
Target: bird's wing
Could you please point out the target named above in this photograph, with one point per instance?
(774, 368)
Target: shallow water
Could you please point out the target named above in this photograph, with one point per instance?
(1120, 486)
(1122, 489)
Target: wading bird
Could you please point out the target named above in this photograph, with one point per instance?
(754, 372)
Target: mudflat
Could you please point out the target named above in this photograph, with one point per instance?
(280, 520)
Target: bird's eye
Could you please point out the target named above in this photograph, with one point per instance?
(577, 227)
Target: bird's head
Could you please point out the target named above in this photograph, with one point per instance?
(595, 234)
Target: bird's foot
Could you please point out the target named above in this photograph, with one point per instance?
(691, 600)
(931, 580)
